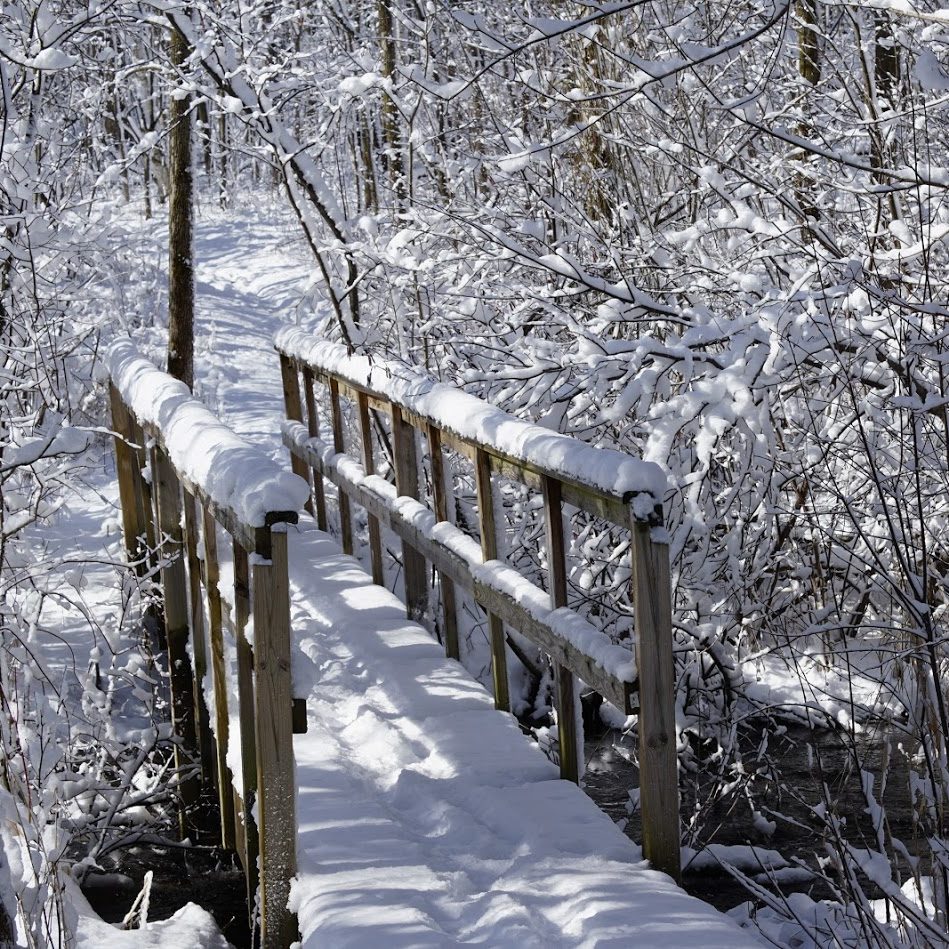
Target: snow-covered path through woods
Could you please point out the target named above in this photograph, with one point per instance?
(426, 818)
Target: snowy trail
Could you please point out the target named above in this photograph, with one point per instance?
(248, 282)
(426, 818)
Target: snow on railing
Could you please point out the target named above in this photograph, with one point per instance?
(232, 473)
(605, 483)
(602, 470)
(200, 474)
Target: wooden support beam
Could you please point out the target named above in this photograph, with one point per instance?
(225, 783)
(248, 738)
(446, 584)
(570, 736)
(369, 466)
(294, 410)
(313, 427)
(276, 789)
(658, 759)
(489, 549)
(175, 586)
(339, 445)
(405, 452)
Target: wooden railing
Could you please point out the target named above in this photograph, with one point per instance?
(428, 537)
(152, 525)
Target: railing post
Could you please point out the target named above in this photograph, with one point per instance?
(557, 581)
(405, 457)
(369, 466)
(658, 759)
(132, 523)
(446, 584)
(174, 584)
(489, 549)
(276, 787)
(339, 446)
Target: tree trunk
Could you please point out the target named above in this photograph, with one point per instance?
(809, 68)
(392, 156)
(180, 230)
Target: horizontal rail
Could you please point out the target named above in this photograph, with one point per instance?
(644, 503)
(322, 458)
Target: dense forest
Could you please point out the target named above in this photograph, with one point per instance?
(710, 235)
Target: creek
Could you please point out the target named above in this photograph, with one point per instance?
(774, 802)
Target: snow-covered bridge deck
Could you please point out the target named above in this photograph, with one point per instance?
(425, 817)
(411, 811)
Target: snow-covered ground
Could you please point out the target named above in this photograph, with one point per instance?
(425, 817)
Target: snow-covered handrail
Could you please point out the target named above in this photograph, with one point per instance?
(606, 483)
(597, 477)
(243, 484)
(202, 472)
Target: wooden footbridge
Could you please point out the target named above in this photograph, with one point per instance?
(211, 514)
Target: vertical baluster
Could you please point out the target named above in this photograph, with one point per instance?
(294, 410)
(313, 427)
(132, 519)
(245, 692)
(405, 456)
(174, 584)
(198, 641)
(212, 575)
(489, 549)
(144, 500)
